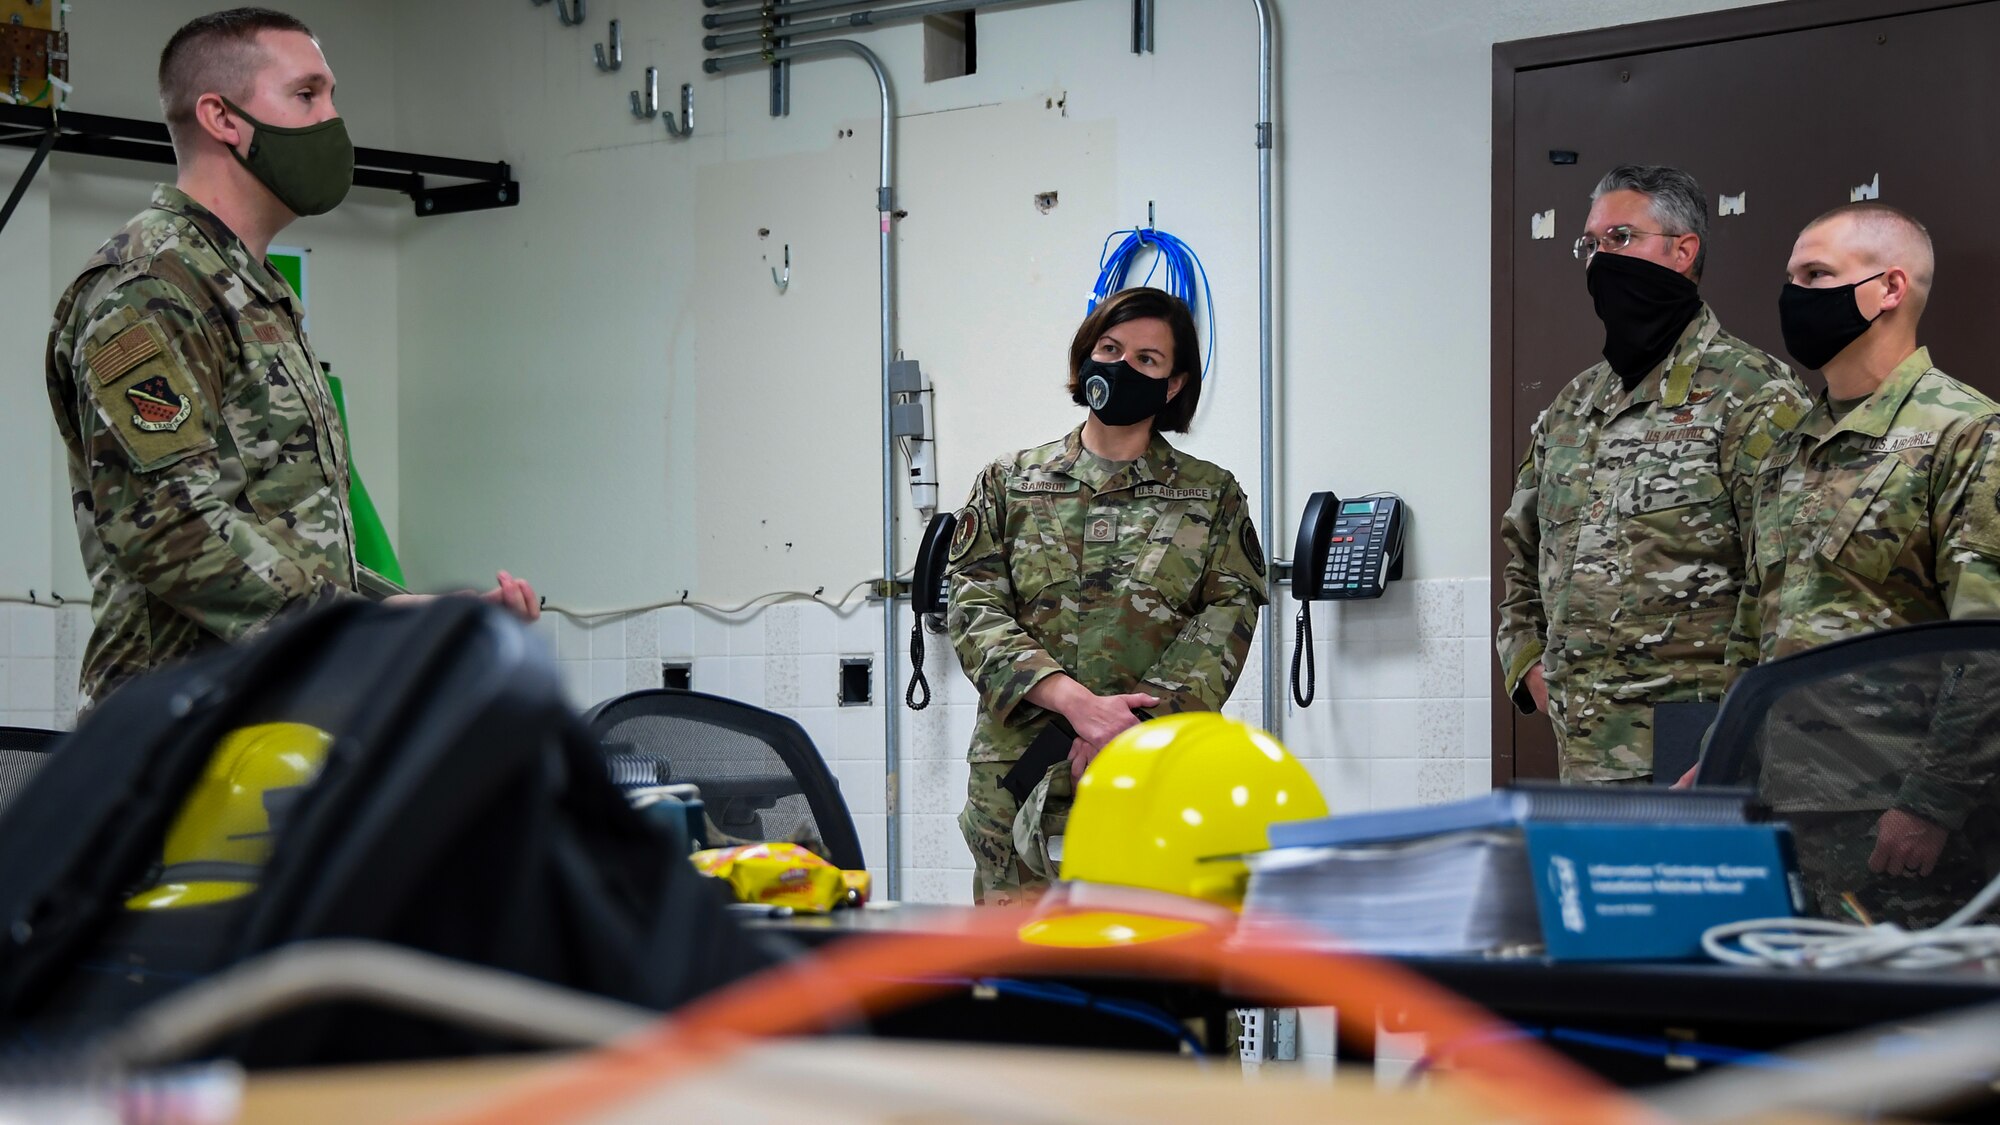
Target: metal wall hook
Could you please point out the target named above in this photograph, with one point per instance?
(615, 57)
(785, 282)
(650, 106)
(683, 127)
(570, 12)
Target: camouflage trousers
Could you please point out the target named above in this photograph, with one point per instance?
(999, 877)
(1833, 850)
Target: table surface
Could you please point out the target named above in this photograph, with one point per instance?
(1525, 988)
(856, 1081)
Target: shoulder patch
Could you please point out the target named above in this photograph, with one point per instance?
(147, 397)
(1251, 547)
(963, 534)
(123, 352)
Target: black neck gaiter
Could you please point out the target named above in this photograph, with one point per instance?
(1644, 306)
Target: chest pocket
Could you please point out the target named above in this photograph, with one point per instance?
(1173, 556)
(1038, 548)
(275, 419)
(1867, 535)
(1564, 484)
(1668, 497)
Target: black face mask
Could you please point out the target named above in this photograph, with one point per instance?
(1644, 307)
(1120, 395)
(1818, 324)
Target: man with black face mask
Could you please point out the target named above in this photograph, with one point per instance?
(1881, 508)
(1625, 571)
(205, 454)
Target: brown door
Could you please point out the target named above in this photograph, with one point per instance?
(1792, 119)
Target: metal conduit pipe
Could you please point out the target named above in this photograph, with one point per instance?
(873, 17)
(885, 205)
(765, 15)
(1267, 478)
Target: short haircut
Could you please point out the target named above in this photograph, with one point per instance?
(216, 53)
(1674, 197)
(1139, 304)
(1889, 236)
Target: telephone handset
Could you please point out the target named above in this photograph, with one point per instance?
(1346, 550)
(929, 589)
(929, 593)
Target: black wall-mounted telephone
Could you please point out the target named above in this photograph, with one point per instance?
(928, 589)
(1347, 549)
(929, 594)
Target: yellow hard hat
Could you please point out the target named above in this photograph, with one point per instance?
(221, 839)
(1166, 801)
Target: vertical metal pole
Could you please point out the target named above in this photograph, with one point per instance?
(885, 204)
(781, 71)
(885, 207)
(1267, 471)
(1142, 27)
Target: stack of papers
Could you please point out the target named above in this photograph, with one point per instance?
(1456, 893)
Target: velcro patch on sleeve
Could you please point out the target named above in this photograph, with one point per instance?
(147, 397)
(123, 352)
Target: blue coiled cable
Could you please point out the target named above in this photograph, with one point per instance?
(1186, 278)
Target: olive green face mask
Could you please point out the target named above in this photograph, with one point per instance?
(309, 169)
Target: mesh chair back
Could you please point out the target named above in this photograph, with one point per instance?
(22, 752)
(1881, 752)
(760, 777)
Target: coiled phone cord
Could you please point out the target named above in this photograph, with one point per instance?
(1302, 652)
(917, 680)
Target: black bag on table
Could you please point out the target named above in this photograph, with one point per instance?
(462, 809)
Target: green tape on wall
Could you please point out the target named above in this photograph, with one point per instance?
(372, 547)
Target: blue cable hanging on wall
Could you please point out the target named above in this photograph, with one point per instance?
(1185, 278)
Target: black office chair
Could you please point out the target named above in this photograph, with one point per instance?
(23, 750)
(760, 776)
(1835, 737)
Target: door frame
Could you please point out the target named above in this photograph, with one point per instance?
(1511, 59)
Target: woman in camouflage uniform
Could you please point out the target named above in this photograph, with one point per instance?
(1094, 577)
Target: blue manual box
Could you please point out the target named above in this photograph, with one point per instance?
(1647, 892)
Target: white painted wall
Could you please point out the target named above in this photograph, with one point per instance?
(607, 393)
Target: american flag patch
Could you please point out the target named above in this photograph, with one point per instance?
(126, 350)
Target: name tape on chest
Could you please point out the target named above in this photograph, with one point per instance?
(1168, 492)
(1041, 484)
(1898, 442)
(1676, 433)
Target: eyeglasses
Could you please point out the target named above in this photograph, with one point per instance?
(1615, 238)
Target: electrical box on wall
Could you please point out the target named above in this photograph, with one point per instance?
(34, 52)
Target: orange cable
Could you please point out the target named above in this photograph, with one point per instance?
(1515, 1075)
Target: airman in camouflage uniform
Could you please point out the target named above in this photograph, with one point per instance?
(1877, 511)
(1881, 518)
(1625, 571)
(1139, 576)
(1625, 564)
(207, 466)
(1885, 517)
